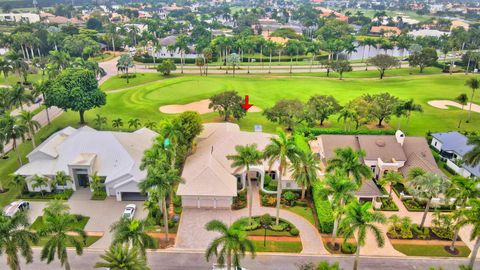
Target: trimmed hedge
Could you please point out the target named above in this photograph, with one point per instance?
(324, 210)
(60, 195)
(313, 131)
(148, 59)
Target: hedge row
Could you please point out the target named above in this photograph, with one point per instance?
(308, 131)
(149, 59)
(324, 210)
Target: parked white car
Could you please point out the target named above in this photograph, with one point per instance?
(15, 207)
(224, 267)
(129, 211)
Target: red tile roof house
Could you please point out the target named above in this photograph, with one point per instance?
(386, 31)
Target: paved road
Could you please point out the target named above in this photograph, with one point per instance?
(173, 260)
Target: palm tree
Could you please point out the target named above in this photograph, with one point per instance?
(15, 237)
(40, 182)
(231, 245)
(19, 97)
(152, 206)
(96, 183)
(410, 106)
(124, 63)
(474, 84)
(346, 114)
(390, 179)
(150, 124)
(472, 158)
(12, 129)
(348, 161)
(278, 151)
(472, 217)
(61, 179)
(99, 121)
(132, 231)
(26, 118)
(134, 122)
(18, 182)
(359, 218)
(245, 157)
(305, 170)
(58, 228)
(122, 257)
(341, 190)
(39, 88)
(5, 67)
(59, 59)
(117, 123)
(463, 100)
(427, 186)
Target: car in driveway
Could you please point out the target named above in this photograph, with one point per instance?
(15, 207)
(129, 211)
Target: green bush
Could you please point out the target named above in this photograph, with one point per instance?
(388, 205)
(99, 195)
(177, 201)
(348, 248)
(289, 197)
(267, 180)
(301, 203)
(177, 210)
(443, 233)
(323, 209)
(272, 186)
(294, 232)
(421, 233)
(255, 225)
(58, 195)
(278, 228)
(309, 131)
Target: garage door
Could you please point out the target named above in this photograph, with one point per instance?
(206, 203)
(133, 196)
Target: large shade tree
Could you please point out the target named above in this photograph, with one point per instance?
(77, 90)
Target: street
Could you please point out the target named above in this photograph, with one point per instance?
(176, 260)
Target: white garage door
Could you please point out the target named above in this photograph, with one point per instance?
(206, 203)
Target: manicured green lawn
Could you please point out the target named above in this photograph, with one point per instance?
(372, 72)
(103, 57)
(303, 211)
(271, 246)
(141, 78)
(38, 223)
(261, 232)
(430, 250)
(13, 78)
(88, 241)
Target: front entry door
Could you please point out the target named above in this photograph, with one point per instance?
(83, 180)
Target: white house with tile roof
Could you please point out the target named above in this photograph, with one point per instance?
(114, 156)
(209, 179)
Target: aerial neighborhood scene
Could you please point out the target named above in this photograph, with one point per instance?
(240, 134)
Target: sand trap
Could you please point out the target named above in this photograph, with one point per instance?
(198, 106)
(444, 104)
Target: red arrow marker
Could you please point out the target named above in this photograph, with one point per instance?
(246, 105)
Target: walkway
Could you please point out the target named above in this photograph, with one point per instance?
(192, 234)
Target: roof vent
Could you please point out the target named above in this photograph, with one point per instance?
(380, 143)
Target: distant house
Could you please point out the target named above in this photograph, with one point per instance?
(453, 147)
(114, 156)
(270, 25)
(386, 31)
(210, 180)
(325, 12)
(459, 23)
(49, 18)
(383, 153)
(165, 49)
(427, 33)
(19, 17)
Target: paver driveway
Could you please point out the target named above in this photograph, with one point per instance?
(102, 213)
(192, 234)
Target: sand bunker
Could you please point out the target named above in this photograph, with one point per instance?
(198, 106)
(444, 104)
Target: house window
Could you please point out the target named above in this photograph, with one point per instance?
(272, 174)
(435, 143)
(373, 167)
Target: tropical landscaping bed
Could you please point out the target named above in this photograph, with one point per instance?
(81, 222)
(56, 195)
(430, 250)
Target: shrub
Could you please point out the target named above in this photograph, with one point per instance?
(294, 232)
(421, 233)
(289, 197)
(348, 248)
(269, 200)
(255, 225)
(58, 195)
(267, 180)
(323, 209)
(177, 201)
(272, 186)
(277, 228)
(177, 210)
(301, 203)
(309, 131)
(443, 233)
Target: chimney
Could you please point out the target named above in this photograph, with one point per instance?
(400, 136)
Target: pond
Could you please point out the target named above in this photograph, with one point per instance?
(371, 51)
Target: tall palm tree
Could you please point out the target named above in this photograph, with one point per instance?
(5, 67)
(12, 130)
(472, 217)
(160, 176)
(245, 157)
(152, 205)
(410, 106)
(472, 158)
(59, 59)
(122, 257)
(427, 186)
(474, 84)
(40, 182)
(305, 170)
(19, 96)
(39, 88)
(124, 63)
(231, 245)
(390, 179)
(463, 100)
(281, 149)
(348, 161)
(15, 237)
(61, 179)
(132, 231)
(359, 218)
(341, 190)
(58, 229)
(26, 118)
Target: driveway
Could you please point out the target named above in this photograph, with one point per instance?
(102, 213)
(192, 235)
